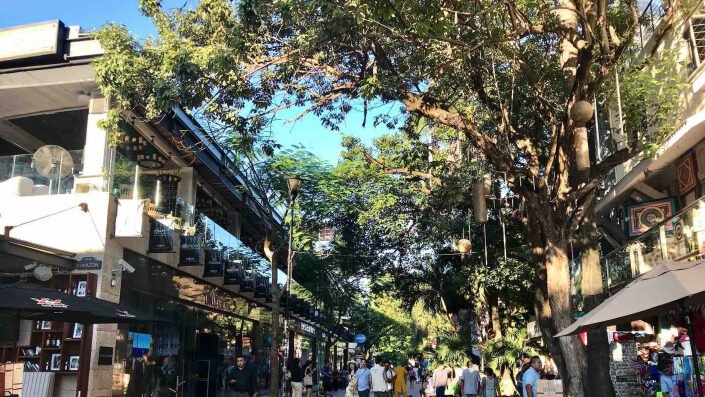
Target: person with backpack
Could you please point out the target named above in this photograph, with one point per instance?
(364, 379)
(524, 365)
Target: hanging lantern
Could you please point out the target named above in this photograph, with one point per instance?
(134, 143)
(581, 113)
(480, 190)
(464, 246)
(168, 177)
(150, 161)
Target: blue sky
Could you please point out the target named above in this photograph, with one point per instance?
(90, 14)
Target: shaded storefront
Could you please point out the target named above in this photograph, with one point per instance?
(209, 326)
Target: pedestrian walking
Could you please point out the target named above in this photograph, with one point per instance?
(351, 389)
(523, 366)
(297, 377)
(412, 374)
(470, 380)
(531, 377)
(379, 384)
(327, 379)
(364, 379)
(389, 378)
(400, 378)
(309, 369)
(440, 378)
(489, 387)
(241, 381)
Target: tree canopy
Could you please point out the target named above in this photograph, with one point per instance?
(501, 76)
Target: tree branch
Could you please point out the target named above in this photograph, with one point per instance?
(405, 171)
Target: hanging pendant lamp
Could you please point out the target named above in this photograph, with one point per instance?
(480, 190)
(581, 113)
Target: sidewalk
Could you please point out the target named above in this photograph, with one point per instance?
(413, 392)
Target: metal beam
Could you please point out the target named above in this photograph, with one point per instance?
(649, 191)
(19, 137)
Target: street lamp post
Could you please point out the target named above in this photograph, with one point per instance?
(293, 183)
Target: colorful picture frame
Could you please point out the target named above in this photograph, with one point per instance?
(643, 216)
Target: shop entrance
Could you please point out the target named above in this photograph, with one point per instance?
(207, 364)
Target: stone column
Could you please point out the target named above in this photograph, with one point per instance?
(97, 154)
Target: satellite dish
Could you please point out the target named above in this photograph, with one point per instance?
(52, 161)
(42, 273)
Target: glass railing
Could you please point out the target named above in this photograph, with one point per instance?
(651, 13)
(158, 187)
(678, 238)
(53, 173)
(243, 266)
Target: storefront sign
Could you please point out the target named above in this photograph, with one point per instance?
(105, 355)
(39, 40)
(214, 263)
(360, 339)
(89, 263)
(160, 237)
(232, 272)
(190, 251)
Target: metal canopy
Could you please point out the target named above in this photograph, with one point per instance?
(15, 254)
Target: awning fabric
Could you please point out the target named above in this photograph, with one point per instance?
(34, 302)
(661, 289)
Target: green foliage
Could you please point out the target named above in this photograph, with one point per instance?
(502, 353)
(651, 93)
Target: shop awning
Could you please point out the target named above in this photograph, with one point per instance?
(33, 302)
(667, 286)
(15, 254)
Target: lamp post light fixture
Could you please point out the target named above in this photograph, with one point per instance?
(294, 184)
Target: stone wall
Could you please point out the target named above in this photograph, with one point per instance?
(624, 371)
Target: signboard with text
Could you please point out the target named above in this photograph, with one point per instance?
(160, 237)
(214, 263)
(190, 251)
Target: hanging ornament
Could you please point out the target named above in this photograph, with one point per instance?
(464, 246)
(150, 161)
(480, 190)
(581, 113)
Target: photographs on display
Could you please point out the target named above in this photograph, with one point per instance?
(73, 363)
(77, 331)
(55, 363)
(81, 288)
(46, 325)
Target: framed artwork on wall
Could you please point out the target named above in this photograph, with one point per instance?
(685, 171)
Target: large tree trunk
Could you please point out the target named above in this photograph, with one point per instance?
(598, 350)
(553, 306)
(558, 277)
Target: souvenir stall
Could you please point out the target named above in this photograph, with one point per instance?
(677, 306)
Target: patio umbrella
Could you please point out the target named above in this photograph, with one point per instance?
(669, 285)
(33, 302)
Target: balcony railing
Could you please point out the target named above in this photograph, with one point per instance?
(19, 176)
(679, 238)
(651, 14)
(252, 268)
